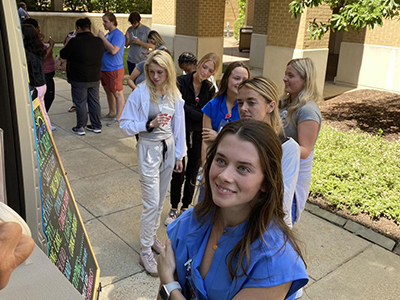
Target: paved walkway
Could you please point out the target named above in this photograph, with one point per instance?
(102, 170)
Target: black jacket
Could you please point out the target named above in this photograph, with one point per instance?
(193, 113)
(84, 55)
(35, 69)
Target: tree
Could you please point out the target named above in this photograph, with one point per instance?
(354, 14)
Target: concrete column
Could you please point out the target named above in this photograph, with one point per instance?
(259, 36)
(57, 5)
(163, 20)
(288, 38)
(199, 27)
(371, 57)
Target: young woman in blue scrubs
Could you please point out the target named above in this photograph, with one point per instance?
(223, 108)
(235, 244)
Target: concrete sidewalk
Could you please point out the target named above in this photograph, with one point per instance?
(102, 170)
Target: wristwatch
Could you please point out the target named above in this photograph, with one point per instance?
(166, 289)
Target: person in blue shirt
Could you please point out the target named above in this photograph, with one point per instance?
(223, 108)
(112, 70)
(235, 244)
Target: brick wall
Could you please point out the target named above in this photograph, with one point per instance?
(286, 31)
(202, 18)
(249, 21)
(282, 28)
(387, 35)
(321, 13)
(231, 12)
(164, 12)
(261, 12)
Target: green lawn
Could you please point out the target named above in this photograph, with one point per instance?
(358, 172)
(56, 50)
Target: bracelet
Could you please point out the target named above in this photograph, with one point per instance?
(148, 128)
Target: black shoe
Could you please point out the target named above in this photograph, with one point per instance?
(93, 129)
(78, 131)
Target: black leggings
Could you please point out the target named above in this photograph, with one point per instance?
(49, 96)
(193, 142)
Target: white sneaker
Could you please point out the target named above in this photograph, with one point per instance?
(299, 293)
(172, 216)
(149, 263)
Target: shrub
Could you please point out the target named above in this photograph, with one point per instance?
(358, 172)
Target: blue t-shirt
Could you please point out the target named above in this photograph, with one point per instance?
(271, 263)
(142, 76)
(114, 62)
(217, 111)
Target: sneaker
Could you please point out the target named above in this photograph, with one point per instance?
(78, 131)
(148, 262)
(53, 128)
(299, 294)
(113, 122)
(108, 116)
(158, 245)
(172, 216)
(72, 108)
(93, 129)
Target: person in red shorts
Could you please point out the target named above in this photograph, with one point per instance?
(112, 70)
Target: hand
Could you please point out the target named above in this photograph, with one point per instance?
(178, 166)
(100, 34)
(135, 40)
(209, 135)
(166, 263)
(160, 120)
(15, 248)
(51, 42)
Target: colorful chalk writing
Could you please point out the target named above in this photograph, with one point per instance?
(68, 246)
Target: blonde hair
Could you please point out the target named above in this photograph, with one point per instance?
(269, 91)
(157, 37)
(163, 60)
(210, 57)
(305, 68)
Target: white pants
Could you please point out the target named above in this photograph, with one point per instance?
(155, 176)
(303, 184)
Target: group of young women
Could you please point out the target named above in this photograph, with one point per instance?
(236, 243)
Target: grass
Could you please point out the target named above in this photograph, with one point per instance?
(57, 49)
(358, 172)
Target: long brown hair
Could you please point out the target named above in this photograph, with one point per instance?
(223, 85)
(267, 206)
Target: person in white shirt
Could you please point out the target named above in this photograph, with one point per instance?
(155, 111)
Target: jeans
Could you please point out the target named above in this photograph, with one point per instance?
(86, 94)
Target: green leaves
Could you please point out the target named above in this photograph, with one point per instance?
(352, 14)
(358, 172)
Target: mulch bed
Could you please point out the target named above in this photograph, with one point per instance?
(369, 111)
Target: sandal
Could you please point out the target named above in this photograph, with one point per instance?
(72, 108)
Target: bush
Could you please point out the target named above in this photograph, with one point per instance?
(358, 172)
(240, 20)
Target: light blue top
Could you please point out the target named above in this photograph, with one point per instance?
(142, 76)
(217, 111)
(114, 62)
(271, 263)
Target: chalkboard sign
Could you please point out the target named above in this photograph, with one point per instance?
(68, 246)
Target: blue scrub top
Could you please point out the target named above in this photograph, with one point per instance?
(271, 263)
(217, 111)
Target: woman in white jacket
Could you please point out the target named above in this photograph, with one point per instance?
(155, 111)
(257, 99)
